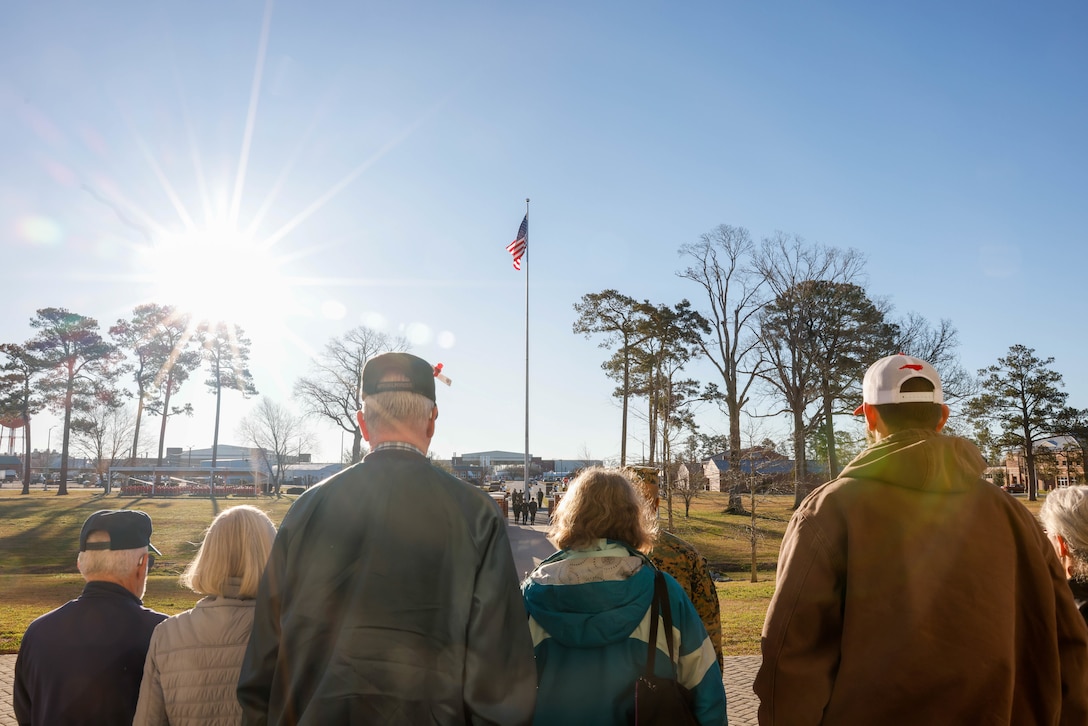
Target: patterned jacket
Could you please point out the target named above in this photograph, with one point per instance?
(681, 560)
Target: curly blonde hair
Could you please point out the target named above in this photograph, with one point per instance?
(602, 504)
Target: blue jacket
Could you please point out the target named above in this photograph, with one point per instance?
(589, 617)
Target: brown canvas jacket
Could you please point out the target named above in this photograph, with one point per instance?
(912, 591)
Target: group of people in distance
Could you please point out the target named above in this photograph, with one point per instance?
(525, 508)
(909, 591)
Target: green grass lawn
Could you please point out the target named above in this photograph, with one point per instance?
(39, 535)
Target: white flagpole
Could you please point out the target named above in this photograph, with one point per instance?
(525, 465)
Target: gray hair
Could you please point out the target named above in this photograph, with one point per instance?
(393, 410)
(107, 564)
(1065, 513)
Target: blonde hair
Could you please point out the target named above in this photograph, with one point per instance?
(1065, 513)
(107, 564)
(602, 504)
(391, 411)
(236, 545)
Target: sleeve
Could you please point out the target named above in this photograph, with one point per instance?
(705, 597)
(500, 673)
(151, 706)
(802, 632)
(262, 652)
(697, 668)
(20, 697)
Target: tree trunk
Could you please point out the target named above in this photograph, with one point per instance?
(799, 485)
(829, 434)
(26, 453)
(626, 396)
(136, 433)
(62, 487)
(754, 532)
(165, 413)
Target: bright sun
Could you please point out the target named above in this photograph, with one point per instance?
(219, 275)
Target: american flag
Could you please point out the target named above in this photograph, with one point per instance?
(518, 247)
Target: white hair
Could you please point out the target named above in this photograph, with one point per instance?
(392, 410)
(107, 564)
(1065, 513)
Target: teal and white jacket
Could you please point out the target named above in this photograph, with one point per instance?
(589, 618)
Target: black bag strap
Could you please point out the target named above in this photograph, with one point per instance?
(659, 607)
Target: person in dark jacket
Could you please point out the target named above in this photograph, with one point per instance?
(912, 591)
(391, 595)
(532, 511)
(82, 663)
(1064, 515)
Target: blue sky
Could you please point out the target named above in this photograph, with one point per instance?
(381, 153)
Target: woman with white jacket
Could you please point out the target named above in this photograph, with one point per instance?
(193, 662)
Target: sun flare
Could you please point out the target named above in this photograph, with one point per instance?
(216, 274)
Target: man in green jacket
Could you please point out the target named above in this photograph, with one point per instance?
(391, 595)
(912, 591)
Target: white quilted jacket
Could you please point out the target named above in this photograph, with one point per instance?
(192, 665)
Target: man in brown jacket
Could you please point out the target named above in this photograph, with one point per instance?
(912, 591)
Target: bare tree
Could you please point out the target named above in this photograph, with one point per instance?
(279, 433)
(332, 389)
(937, 345)
(789, 267)
(734, 294)
(103, 434)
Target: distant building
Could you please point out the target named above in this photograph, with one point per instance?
(770, 468)
(1059, 462)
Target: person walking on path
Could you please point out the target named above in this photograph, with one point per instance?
(532, 511)
(82, 663)
(912, 591)
(390, 596)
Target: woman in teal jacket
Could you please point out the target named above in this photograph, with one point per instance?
(589, 609)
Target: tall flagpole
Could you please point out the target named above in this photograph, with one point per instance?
(525, 465)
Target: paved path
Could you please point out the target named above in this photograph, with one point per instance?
(530, 547)
(7, 676)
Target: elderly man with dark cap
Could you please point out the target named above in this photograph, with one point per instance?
(391, 595)
(82, 663)
(913, 591)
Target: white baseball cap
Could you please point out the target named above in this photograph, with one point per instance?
(885, 377)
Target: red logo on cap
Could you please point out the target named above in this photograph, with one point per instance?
(912, 366)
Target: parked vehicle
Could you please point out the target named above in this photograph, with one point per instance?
(1014, 488)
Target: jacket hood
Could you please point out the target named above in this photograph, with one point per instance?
(582, 612)
(921, 460)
